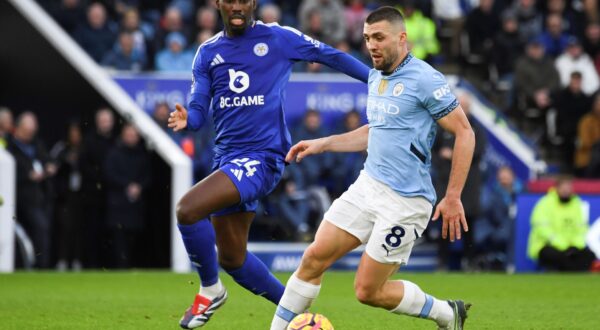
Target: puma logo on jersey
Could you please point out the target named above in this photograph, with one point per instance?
(239, 81)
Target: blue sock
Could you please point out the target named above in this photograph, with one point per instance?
(199, 241)
(255, 277)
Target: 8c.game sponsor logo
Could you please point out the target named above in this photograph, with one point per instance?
(239, 82)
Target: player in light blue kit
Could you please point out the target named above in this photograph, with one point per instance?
(389, 205)
(242, 74)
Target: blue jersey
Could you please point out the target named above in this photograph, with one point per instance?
(246, 76)
(402, 109)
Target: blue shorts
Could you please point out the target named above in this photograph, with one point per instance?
(254, 175)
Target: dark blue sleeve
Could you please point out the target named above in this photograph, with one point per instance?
(343, 62)
(197, 111)
(299, 47)
(200, 94)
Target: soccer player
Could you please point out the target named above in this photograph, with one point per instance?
(389, 205)
(242, 73)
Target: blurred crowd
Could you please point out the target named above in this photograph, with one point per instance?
(81, 202)
(538, 61)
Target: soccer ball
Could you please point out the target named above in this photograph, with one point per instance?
(310, 321)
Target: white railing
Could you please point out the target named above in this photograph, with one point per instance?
(7, 211)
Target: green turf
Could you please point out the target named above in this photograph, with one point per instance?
(156, 300)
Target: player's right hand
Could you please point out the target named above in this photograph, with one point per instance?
(303, 149)
(178, 118)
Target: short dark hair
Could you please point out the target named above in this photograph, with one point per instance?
(385, 13)
(576, 74)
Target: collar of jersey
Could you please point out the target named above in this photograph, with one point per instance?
(407, 59)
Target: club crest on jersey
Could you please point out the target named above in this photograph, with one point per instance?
(383, 84)
(239, 81)
(261, 49)
(398, 89)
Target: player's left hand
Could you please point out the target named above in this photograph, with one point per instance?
(453, 217)
(178, 118)
(305, 148)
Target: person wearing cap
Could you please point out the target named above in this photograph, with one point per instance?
(174, 57)
(574, 59)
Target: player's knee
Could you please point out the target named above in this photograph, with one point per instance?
(365, 295)
(231, 260)
(185, 215)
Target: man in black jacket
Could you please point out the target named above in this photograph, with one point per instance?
(441, 162)
(33, 170)
(127, 174)
(95, 148)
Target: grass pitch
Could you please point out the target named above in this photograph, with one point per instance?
(156, 300)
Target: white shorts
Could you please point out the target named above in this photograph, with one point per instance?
(380, 217)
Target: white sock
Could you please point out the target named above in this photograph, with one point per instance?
(296, 299)
(419, 304)
(213, 291)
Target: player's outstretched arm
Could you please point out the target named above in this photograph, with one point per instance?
(178, 118)
(352, 141)
(450, 207)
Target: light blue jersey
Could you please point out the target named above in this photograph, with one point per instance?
(402, 109)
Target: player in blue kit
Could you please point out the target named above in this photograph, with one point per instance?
(242, 74)
(389, 205)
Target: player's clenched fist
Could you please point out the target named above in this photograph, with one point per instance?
(303, 149)
(178, 118)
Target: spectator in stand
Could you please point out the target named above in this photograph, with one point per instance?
(450, 17)
(443, 148)
(69, 207)
(95, 36)
(588, 134)
(482, 25)
(170, 23)
(536, 79)
(95, 148)
(347, 165)
(494, 234)
(571, 105)
(558, 230)
(508, 46)
(124, 56)
(175, 57)
(127, 176)
(313, 168)
(355, 14)
(571, 18)
(6, 126)
(200, 39)
(554, 39)
(269, 13)
(33, 171)
(331, 15)
(422, 40)
(131, 23)
(575, 60)
(291, 202)
(69, 14)
(530, 20)
(591, 42)
(207, 19)
(161, 117)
